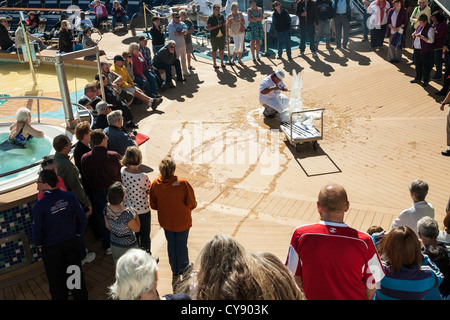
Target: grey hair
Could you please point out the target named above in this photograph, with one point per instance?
(428, 227)
(114, 116)
(135, 275)
(182, 13)
(171, 42)
(22, 114)
(419, 189)
(132, 46)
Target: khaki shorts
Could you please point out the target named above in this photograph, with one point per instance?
(217, 43)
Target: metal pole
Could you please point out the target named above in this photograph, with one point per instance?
(266, 54)
(27, 44)
(71, 122)
(100, 76)
(228, 45)
(145, 16)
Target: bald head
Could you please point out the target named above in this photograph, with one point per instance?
(332, 203)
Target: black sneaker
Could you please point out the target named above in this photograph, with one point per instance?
(183, 80)
(131, 124)
(156, 102)
(446, 153)
(440, 93)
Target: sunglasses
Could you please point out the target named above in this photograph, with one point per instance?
(172, 47)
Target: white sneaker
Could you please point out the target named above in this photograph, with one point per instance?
(300, 54)
(89, 258)
(109, 251)
(314, 54)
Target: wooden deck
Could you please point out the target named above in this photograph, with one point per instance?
(381, 132)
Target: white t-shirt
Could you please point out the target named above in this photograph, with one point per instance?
(138, 187)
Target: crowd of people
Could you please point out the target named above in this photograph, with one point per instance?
(105, 188)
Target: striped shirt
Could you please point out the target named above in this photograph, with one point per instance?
(410, 283)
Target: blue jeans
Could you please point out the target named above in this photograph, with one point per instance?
(123, 19)
(365, 27)
(284, 40)
(177, 250)
(436, 59)
(307, 31)
(324, 28)
(148, 86)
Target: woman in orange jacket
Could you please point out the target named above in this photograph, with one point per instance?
(174, 200)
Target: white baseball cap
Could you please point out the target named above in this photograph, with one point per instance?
(279, 74)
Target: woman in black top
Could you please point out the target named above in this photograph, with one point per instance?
(157, 34)
(65, 43)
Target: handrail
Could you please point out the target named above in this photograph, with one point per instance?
(39, 121)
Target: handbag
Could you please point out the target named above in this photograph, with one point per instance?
(396, 40)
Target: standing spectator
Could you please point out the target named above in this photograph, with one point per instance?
(157, 33)
(366, 17)
(329, 259)
(445, 50)
(325, 13)
(422, 8)
(58, 220)
(164, 59)
(145, 51)
(216, 25)
(423, 48)
(307, 14)
(378, 21)
(72, 180)
(65, 38)
(118, 15)
(6, 42)
(446, 100)
(137, 278)
(409, 275)
(118, 139)
(255, 15)
(188, 38)
(397, 21)
(281, 21)
(418, 191)
(137, 185)
(177, 30)
(83, 135)
(48, 164)
(122, 221)
(101, 14)
(439, 23)
(344, 10)
(236, 24)
(101, 169)
(174, 199)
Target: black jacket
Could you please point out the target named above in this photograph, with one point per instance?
(325, 9)
(65, 42)
(309, 7)
(5, 39)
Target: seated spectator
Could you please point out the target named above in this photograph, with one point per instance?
(116, 101)
(115, 80)
(87, 41)
(118, 15)
(137, 278)
(418, 191)
(54, 33)
(444, 235)
(118, 140)
(145, 79)
(428, 231)
(65, 38)
(90, 92)
(101, 14)
(101, 169)
(377, 234)
(103, 109)
(20, 39)
(127, 83)
(122, 222)
(409, 275)
(164, 59)
(47, 164)
(145, 51)
(440, 258)
(33, 21)
(6, 42)
(81, 23)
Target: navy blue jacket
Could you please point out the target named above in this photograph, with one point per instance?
(58, 217)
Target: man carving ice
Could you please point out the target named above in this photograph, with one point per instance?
(270, 95)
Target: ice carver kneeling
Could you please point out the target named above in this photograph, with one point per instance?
(270, 95)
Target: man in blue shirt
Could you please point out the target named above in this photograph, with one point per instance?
(118, 140)
(344, 10)
(58, 221)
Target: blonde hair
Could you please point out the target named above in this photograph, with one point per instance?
(167, 167)
(132, 156)
(64, 24)
(234, 5)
